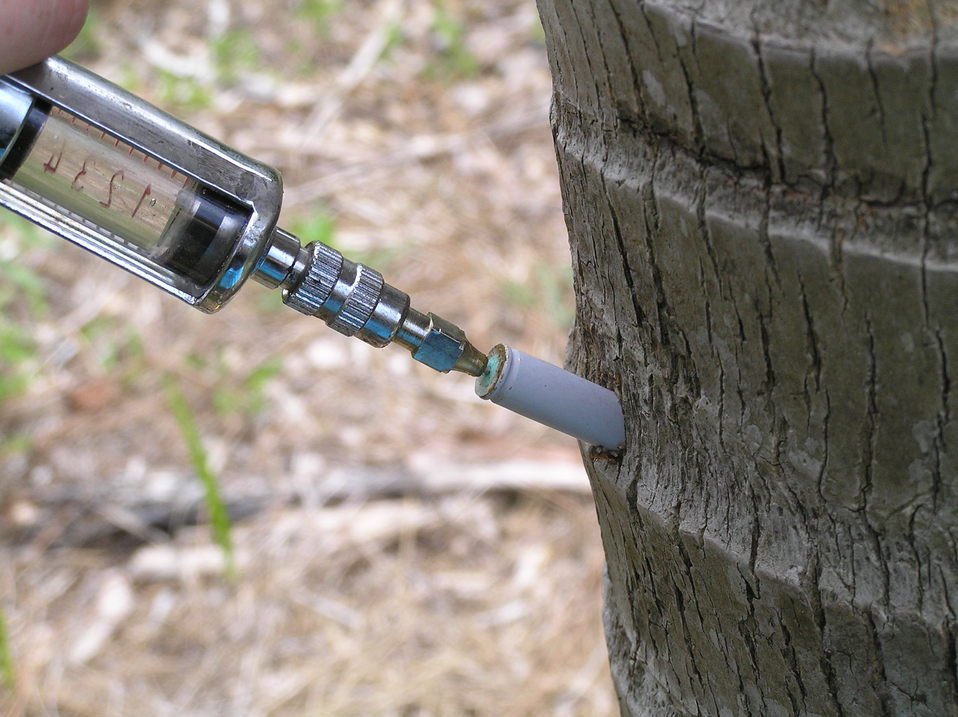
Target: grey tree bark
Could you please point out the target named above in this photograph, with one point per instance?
(762, 197)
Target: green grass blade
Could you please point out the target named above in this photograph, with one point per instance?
(8, 673)
(219, 515)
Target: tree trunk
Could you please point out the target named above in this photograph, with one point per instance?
(763, 203)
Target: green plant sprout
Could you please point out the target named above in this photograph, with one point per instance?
(20, 280)
(317, 224)
(395, 37)
(319, 13)
(234, 52)
(455, 60)
(185, 93)
(23, 299)
(17, 354)
(248, 399)
(7, 668)
(220, 522)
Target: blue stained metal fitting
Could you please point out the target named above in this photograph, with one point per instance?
(442, 345)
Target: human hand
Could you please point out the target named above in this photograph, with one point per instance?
(31, 30)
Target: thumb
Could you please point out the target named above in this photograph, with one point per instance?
(31, 30)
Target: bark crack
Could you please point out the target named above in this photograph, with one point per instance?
(562, 28)
(823, 470)
(601, 51)
(796, 671)
(636, 84)
(651, 220)
(870, 437)
(879, 678)
(698, 133)
(825, 661)
(811, 339)
(951, 662)
(655, 41)
(945, 378)
(869, 449)
(593, 75)
(927, 116)
(764, 235)
(873, 78)
(827, 140)
(747, 628)
(623, 252)
(692, 651)
(766, 88)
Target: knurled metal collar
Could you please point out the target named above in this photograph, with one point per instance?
(360, 302)
(319, 278)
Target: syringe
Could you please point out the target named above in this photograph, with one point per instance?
(110, 172)
(123, 179)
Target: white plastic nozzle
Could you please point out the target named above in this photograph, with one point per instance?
(552, 396)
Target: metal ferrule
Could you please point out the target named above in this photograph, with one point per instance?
(310, 288)
(388, 317)
(283, 259)
(351, 298)
(413, 331)
(354, 300)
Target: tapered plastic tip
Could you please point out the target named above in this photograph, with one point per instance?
(552, 396)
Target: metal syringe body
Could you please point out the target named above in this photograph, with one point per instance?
(119, 177)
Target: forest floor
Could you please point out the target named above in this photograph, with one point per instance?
(398, 546)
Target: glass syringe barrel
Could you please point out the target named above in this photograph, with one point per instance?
(165, 217)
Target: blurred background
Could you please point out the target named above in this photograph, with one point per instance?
(246, 513)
